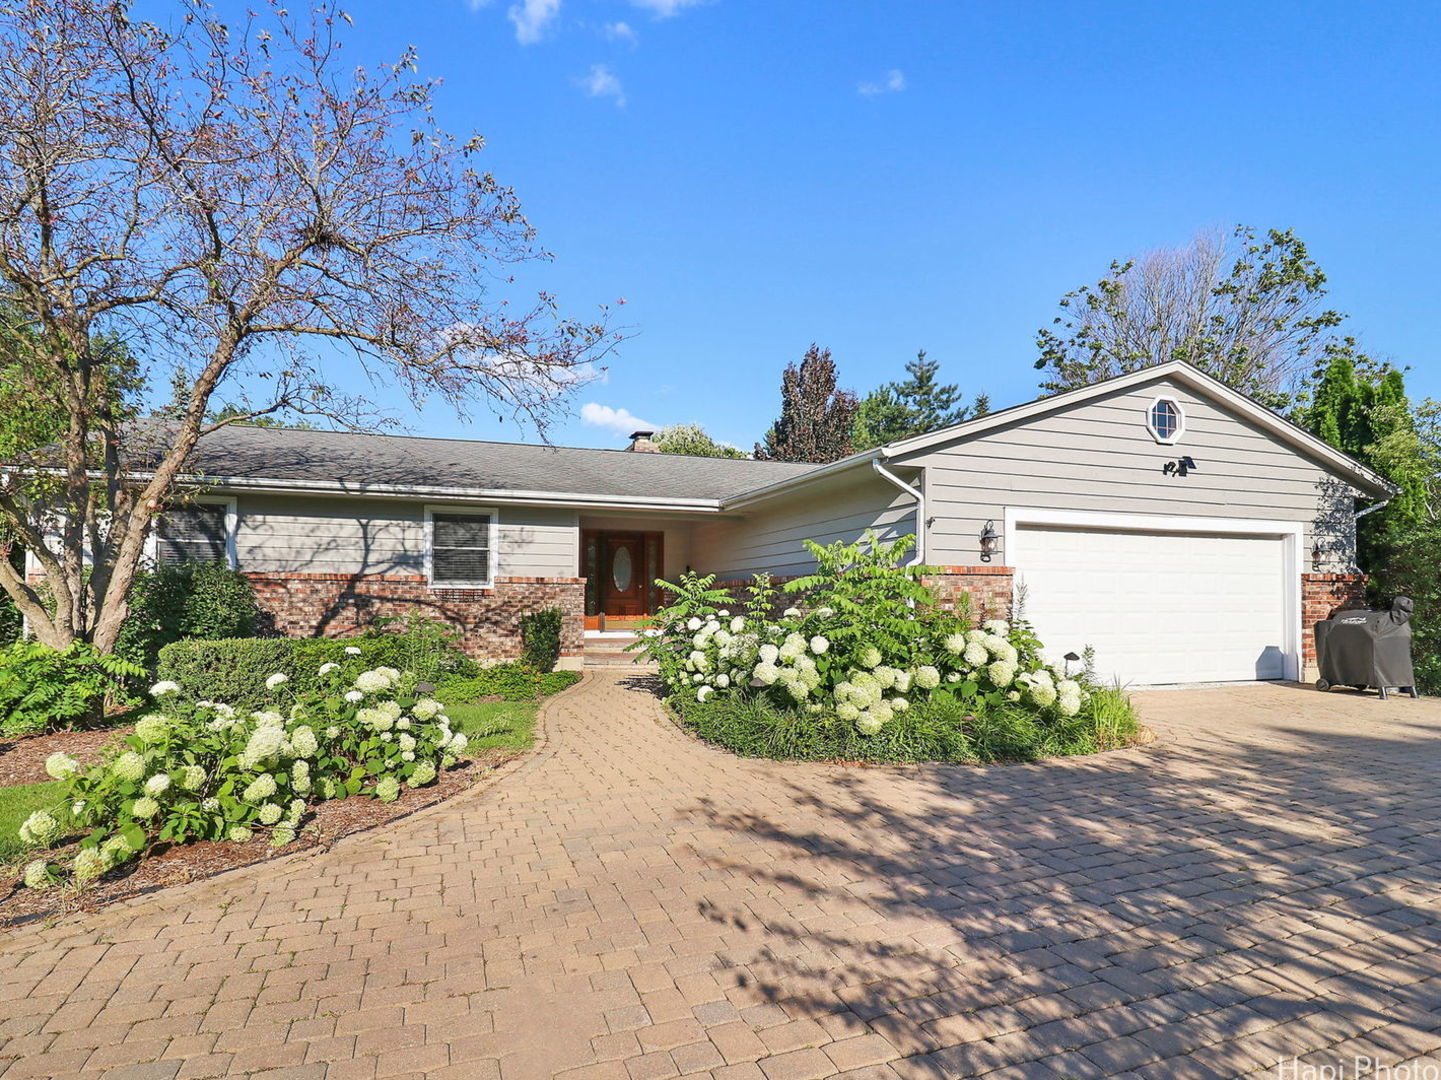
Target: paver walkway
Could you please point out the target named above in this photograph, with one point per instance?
(1263, 882)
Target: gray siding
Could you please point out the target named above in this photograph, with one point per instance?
(1099, 456)
(769, 537)
(337, 535)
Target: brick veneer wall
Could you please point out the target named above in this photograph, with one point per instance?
(989, 588)
(337, 605)
(1322, 595)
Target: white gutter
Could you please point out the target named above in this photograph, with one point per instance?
(1359, 514)
(915, 493)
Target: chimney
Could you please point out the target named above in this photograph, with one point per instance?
(641, 444)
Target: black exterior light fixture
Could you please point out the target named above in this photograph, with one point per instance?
(989, 540)
(1179, 467)
(1070, 658)
(1317, 556)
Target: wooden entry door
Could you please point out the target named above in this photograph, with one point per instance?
(620, 569)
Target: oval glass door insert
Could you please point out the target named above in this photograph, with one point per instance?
(620, 570)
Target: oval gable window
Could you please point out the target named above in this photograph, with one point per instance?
(1165, 420)
(620, 570)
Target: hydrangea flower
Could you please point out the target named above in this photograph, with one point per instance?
(39, 829)
(304, 742)
(819, 644)
(1001, 672)
(458, 744)
(1043, 694)
(407, 742)
(265, 742)
(38, 875)
(372, 682)
(294, 811)
(738, 624)
(769, 653)
(328, 667)
(353, 696)
(975, 654)
(145, 807)
(278, 679)
(870, 657)
(163, 687)
(61, 766)
(281, 836)
(89, 864)
(192, 778)
(260, 789)
(116, 850)
(157, 785)
(693, 624)
(270, 813)
(387, 789)
(847, 711)
(239, 834)
(766, 673)
(869, 725)
(210, 805)
(129, 766)
(351, 650)
(792, 613)
(928, 677)
(424, 773)
(426, 709)
(703, 693)
(900, 704)
(998, 627)
(955, 644)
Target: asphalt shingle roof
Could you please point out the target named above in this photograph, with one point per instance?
(259, 453)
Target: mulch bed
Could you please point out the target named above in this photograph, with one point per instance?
(166, 866)
(22, 761)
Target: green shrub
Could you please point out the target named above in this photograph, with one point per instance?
(235, 669)
(232, 670)
(186, 600)
(540, 637)
(509, 682)
(43, 688)
(214, 772)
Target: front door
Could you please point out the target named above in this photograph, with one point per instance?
(622, 589)
(620, 569)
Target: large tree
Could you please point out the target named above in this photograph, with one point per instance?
(913, 406)
(226, 201)
(816, 415)
(1247, 309)
(692, 440)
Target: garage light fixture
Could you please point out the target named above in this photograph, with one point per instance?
(989, 541)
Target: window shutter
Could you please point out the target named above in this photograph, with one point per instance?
(194, 533)
(460, 549)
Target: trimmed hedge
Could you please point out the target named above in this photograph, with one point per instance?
(540, 637)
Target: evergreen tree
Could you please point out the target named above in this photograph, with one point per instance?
(816, 417)
(920, 404)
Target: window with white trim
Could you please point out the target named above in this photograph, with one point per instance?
(195, 532)
(461, 547)
(1165, 420)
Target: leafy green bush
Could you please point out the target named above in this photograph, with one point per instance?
(1408, 566)
(540, 637)
(207, 771)
(509, 682)
(43, 688)
(235, 669)
(186, 600)
(871, 651)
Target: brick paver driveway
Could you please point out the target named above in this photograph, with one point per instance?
(1263, 882)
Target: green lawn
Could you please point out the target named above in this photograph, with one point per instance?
(16, 804)
(508, 724)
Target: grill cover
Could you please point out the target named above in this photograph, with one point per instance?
(1367, 648)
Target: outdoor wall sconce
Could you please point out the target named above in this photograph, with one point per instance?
(1179, 467)
(1317, 555)
(989, 541)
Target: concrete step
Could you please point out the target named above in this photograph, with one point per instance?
(610, 651)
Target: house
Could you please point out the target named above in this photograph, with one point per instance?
(1180, 529)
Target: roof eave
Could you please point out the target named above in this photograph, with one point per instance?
(735, 502)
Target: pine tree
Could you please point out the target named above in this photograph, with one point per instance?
(920, 404)
(816, 416)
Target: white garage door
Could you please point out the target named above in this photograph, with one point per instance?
(1158, 607)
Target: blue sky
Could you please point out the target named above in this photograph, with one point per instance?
(881, 176)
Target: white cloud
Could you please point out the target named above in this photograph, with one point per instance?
(531, 17)
(894, 83)
(602, 82)
(620, 31)
(620, 421)
(664, 9)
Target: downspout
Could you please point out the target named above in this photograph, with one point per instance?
(915, 493)
(1357, 516)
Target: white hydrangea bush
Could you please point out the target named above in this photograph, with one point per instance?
(207, 771)
(852, 658)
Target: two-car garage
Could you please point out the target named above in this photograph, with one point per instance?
(1162, 600)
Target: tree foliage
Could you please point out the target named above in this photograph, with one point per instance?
(1359, 405)
(691, 440)
(816, 416)
(914, 406)
(1247, 309)
(248, 210)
